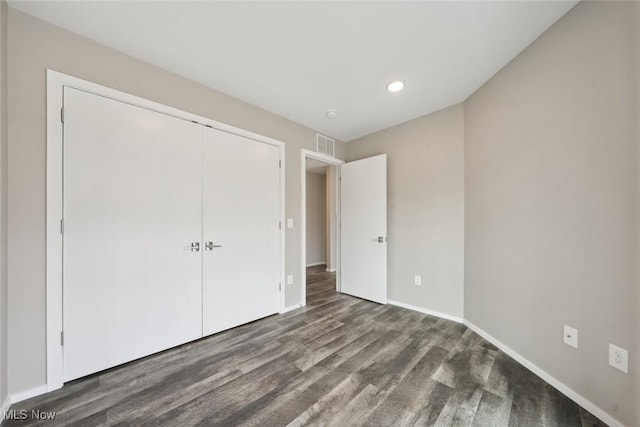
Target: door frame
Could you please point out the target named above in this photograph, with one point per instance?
(330, 161)
(56, 81)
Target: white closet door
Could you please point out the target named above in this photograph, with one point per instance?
(132, 207)
(241, 214)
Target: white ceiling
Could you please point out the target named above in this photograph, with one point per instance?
(299, 59)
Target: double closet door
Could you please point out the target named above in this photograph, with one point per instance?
(171, 232)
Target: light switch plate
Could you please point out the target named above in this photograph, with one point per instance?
(289, 222)
(290, 279)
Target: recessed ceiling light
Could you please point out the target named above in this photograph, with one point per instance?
(332, 113)
(396, 86)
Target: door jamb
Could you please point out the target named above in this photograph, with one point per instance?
(330, 161)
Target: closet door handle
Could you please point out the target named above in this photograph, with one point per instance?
(208, 246)
(195, 247)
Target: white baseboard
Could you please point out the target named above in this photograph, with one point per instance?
(426, 311)
(571, 394)
(19, 397)
(28, 394)
(331, 270)
(291, 308)
(5, 408)
(313, 264)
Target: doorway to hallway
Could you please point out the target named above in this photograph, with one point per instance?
(321, 285)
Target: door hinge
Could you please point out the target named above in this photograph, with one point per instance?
(280, 164)
(62, 226)
(280, 287)
(62, 114)
(280, 225)
(61, 337)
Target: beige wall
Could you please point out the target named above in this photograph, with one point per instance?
(425, 208)
(551, 203)
(35, 46)
(3, 202)
(635, 362)
(316, 218)
(332, 218)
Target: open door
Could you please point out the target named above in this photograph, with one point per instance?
(363, 232)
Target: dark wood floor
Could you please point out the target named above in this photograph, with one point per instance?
(338, 361)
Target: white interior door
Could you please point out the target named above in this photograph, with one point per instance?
(132, 207)
(363, 253)
(241, 230)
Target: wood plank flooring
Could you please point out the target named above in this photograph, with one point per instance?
(339, 361)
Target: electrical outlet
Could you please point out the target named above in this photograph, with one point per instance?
(570, 336)
(619, 358)
(290, 279)
(417, 280)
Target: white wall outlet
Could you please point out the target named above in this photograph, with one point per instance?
(619, 358)
(289, 222)
(289, 279)
(417, 280)
(570, 336)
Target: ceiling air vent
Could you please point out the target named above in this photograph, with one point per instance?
(325, 145)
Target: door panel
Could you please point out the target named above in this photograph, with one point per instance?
(241, 215)
(132, 205)
(363, 201)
